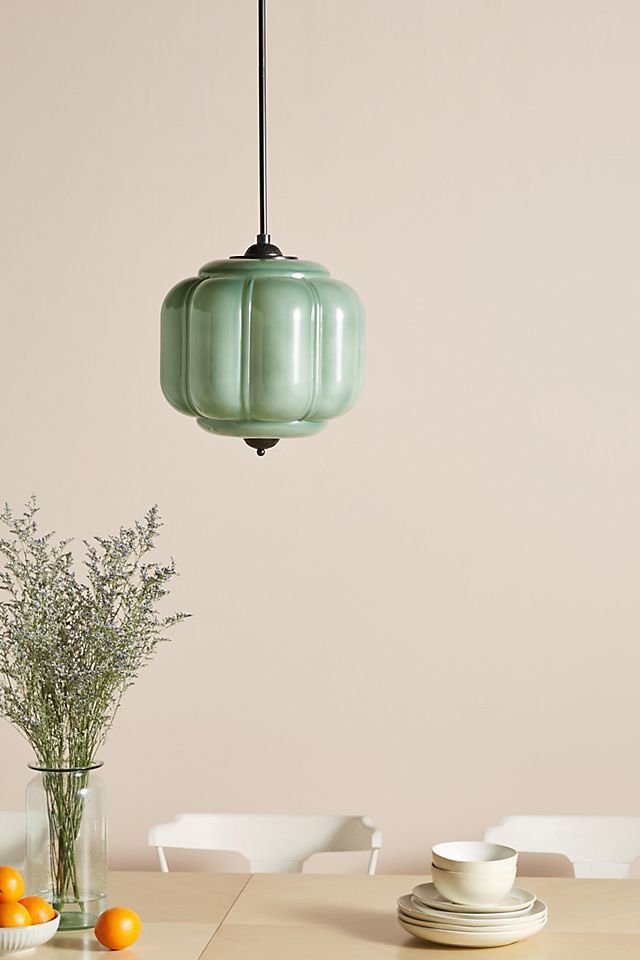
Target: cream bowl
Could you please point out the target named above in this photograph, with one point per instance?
(473, 890)
(474, 856)
(13, 939)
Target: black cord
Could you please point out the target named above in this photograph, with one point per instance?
(262, 118)
(262, 249)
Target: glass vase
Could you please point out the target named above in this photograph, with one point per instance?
(67, 843)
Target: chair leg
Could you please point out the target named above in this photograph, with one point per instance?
(373, 861)
(164, 866)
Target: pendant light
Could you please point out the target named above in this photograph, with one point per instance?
(262, 346)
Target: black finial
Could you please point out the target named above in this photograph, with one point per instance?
(262, 249)
(261, 445)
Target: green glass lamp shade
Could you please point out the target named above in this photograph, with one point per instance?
(262, 348)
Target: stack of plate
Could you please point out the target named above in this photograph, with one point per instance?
(429, 916)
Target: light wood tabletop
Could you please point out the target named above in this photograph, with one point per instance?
(204, 916)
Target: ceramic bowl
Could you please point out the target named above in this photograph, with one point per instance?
(473, 890)
(13, 939)
(482, 859)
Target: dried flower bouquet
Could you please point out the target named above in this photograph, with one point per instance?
(70, 647)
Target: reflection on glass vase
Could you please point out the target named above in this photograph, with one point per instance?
(67, 843)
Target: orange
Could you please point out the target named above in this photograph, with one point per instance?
(39, 910)
(117, 928)
(11, 885)
(14, 915)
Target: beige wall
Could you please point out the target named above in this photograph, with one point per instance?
(429, 613)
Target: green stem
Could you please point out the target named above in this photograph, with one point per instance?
(65, 809)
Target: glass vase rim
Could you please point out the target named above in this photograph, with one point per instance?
(39, 768)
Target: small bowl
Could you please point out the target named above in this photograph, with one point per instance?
(469, 889)
(13, 939)
(474, 856)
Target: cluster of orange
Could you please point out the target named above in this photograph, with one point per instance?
(116, 928)
(16, 910)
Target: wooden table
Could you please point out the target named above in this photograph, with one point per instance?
(198, 916)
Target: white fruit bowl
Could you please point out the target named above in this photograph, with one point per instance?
(13, 939)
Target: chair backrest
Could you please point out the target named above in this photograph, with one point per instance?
(596, 846)
(13, 839)
(272, 843)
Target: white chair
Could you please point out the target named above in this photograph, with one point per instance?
(13, 839)
(272, 843)
(596, 846)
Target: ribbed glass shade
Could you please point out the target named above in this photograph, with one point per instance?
(262, 348)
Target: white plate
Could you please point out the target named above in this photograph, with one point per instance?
(518, 899)
(457, 938)
(454, 928)
(414, 910)
(513, 914)
(528, 929)
(448, 925)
